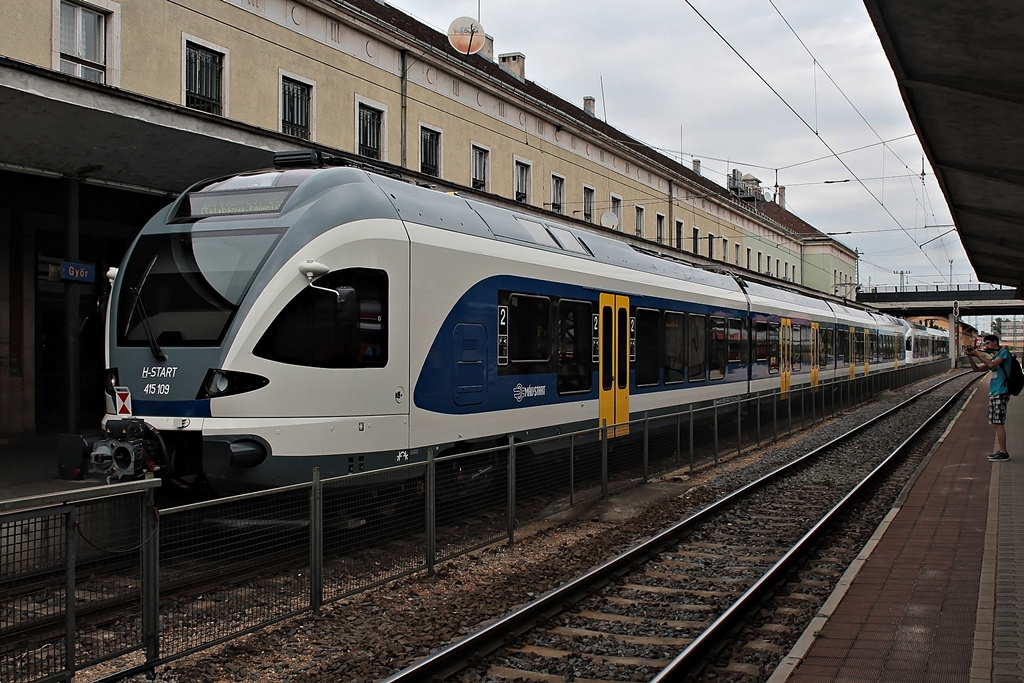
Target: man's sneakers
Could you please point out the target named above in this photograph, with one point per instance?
(998, 457)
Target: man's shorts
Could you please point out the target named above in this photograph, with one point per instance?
(997, 409)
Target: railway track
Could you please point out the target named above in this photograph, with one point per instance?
(672, 605)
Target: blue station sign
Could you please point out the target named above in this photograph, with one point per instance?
(79, 272)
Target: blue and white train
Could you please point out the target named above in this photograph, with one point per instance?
(314, 315)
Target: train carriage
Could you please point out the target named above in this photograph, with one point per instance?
(308, 316)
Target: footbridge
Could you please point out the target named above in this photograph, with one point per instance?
(980, 299)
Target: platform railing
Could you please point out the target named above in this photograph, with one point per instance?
(109, 580)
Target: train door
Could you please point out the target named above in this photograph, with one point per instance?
(815, 355)
(786, 356)
(850, 355)
(616, 337)
(868, 349)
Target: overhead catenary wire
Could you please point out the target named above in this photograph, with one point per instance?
(804, 121)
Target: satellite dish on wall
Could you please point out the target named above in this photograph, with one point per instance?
(609, 220)
(466, 35)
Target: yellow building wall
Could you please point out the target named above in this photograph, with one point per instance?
(349, 62)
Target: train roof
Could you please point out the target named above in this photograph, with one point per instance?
(301, 180)
(272, 193)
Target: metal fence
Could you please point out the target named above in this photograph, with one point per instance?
(85, 581)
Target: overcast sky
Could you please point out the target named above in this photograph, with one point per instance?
(671, 81)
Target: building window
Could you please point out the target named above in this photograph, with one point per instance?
(737, 254)
(725, 249)
(659, 221)
(588, 204)
(522, 182)
(617, 210)
(680, 226)
(748, 259)
(639, 228)
(557, 194)
(204, 69)
(759, 262)
(83, 42)
(296, 99)
(711, 245)
(480, 160)
(371, 125)
(430, 152)
(696, 240)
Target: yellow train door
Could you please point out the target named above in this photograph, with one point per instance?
(786, 356)
(615, 334)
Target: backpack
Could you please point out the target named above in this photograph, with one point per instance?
(1014, 376)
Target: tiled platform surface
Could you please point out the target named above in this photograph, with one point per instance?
(938, 593)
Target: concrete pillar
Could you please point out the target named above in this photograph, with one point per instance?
(72, 370)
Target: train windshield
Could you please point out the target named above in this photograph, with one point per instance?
(182, 289)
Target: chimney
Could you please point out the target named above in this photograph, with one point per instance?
(782, 197)
(588, 104)
(696, 166)
(487, 51)
(514, 63)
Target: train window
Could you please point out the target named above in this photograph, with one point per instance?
(858, 347)
(805, 347)
(773, 348)
(185, 288)
(696, 348)
(843, 345)
(315, 330)
(675, 347)
(607, 348)
(574, 346)
(529, 324)
(825, 348)
(719, 347)
(736, 340)
(760, 342)
(796, 356)
(647, 367)
(622, 362)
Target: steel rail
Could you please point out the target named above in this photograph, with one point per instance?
(460, 654)
(692, 658)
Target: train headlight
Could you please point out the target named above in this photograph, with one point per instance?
(111, 380)
(216, 383)
(219, 383)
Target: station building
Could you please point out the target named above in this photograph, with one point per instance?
(108, 109)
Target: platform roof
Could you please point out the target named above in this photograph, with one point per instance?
(960, 69)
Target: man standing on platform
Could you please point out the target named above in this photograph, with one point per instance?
(998, 390)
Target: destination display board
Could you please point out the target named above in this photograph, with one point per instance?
(232, 203)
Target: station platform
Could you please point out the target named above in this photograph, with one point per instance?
(938, 593)
(32, 467)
